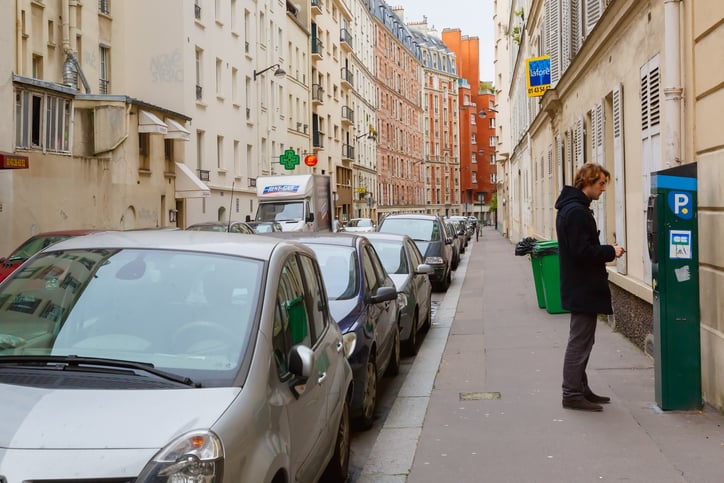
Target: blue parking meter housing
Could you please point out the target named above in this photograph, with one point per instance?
(672, 239)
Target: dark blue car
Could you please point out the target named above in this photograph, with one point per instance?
(363, 301)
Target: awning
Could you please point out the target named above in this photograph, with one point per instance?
(176, 131)
(188, 185)
(13, 161)
(148, 122)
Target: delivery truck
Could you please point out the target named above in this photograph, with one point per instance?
(299, 202)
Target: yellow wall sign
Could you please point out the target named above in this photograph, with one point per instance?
(538, 75)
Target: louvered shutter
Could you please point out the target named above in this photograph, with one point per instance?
(576, 26)
(619, 176)
(553, 29)
(578, 143)
(597, 134)
(592, 14)
(565, 35)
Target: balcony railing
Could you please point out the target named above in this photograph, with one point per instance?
(347, 76)
(346, 38)
(197, 12)
(317, 46)
(199, 92)
(348, 152)
(317, 93)
(203, 174)
(316, 6)
(318, 139)
(347, 114)
(252, 183)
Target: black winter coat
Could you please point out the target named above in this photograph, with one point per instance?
(584, 279)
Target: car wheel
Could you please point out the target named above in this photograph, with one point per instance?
(448, 280)
(428, 320)
(456, 261)
(338, 467)
(369, 397)
(393, 368)
(411, 342)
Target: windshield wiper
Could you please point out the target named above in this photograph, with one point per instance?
(72, 361)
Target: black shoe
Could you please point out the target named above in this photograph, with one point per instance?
(595, 398)
(581, 404)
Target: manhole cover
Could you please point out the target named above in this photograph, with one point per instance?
(479, 396)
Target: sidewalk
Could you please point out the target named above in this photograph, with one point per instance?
(482, 401)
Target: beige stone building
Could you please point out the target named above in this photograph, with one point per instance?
(635, 86)
(442, 126)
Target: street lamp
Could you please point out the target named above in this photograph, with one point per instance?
(279, 72)
(369, 135)
(484, 112)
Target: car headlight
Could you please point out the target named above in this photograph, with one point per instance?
(401, 300)
(195, 457)
(349, 340)
(434, 260)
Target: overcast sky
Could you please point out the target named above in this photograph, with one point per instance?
(474, 18)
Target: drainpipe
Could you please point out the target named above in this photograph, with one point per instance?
(673, 90)
(18, 39)
(71, 67)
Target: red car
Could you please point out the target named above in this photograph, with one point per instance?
(33, 245)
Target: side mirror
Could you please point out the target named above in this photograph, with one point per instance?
(248, 217)
(310, 217)
(424, 269)
(383, 294)
(301, 365)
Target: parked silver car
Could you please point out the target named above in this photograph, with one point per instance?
(403, 262)
(172, 356)
(360, 225)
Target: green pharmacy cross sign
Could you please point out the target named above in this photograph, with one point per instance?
(289, 159)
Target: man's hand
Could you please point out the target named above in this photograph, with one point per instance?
(619, 250)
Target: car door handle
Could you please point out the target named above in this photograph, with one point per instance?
(322, 377)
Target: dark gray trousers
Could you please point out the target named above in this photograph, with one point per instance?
(578, 350)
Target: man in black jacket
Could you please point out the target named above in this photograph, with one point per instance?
(584, 280)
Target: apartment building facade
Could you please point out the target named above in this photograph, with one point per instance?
(477, 114)
(398, 67)
(633, 87)
(441, 122)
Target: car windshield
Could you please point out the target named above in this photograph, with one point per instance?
(360, 222)
(188, 313)
(392, 256)
(339, 270)
(34, 245)
(219, 228)
(291, 211)
(417, 229)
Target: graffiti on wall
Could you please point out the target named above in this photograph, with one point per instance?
(167, 67)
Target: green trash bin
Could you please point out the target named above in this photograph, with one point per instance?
(538, 280)
(546, 254)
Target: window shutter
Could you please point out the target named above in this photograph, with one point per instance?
(619, 175)
(592, 14)
(553, 29)
(650, 135)
(565, 33)
(598, 134)
(578, 143)
(576, 26)
(560, 150)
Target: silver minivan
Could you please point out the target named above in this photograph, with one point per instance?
(171, 356)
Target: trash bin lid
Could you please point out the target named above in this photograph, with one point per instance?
(545, 247)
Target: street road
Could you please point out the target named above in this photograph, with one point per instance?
(389, 387)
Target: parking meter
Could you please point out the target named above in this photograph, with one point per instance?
(672, 239)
